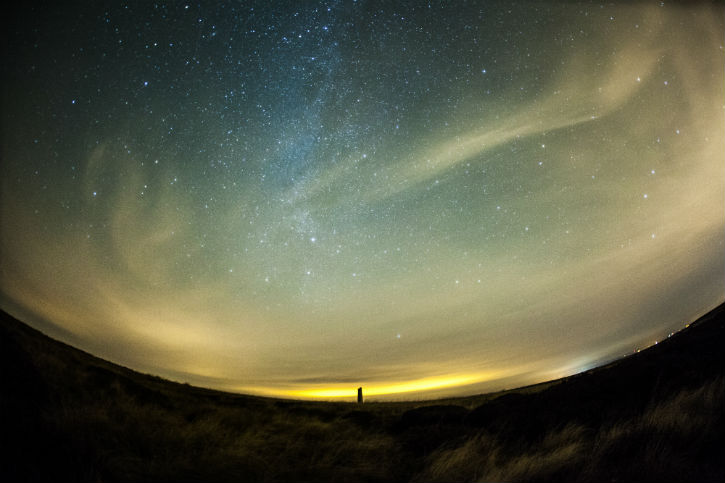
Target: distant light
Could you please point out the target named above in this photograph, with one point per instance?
(381, 388)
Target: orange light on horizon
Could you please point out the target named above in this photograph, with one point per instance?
(379, 388)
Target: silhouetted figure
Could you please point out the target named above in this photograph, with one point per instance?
(359, 395)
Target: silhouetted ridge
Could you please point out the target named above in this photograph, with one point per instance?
(653, 416)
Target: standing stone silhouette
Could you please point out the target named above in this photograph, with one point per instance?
(359, 395)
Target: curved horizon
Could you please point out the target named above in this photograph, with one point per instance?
(418, 200)
(430, 389)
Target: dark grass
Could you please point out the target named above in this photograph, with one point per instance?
(656, 416)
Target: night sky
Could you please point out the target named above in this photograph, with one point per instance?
(297, 199)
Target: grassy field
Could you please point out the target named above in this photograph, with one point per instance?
(654, 416)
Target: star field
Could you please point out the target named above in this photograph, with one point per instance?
(418, 198)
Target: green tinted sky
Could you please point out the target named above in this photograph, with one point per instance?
(304, 196)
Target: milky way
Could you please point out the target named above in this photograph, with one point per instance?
(423, 199)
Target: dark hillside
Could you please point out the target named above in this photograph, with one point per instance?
(654, 416)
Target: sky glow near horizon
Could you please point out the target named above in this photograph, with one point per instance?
(297, 200)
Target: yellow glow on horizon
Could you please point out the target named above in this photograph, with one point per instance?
(373, 389)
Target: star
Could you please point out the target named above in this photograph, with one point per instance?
(351, 170)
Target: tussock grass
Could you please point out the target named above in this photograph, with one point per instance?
(69, 416)
(128, 441)
(661, 444)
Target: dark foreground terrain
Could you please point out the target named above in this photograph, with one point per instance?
(654, 416)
